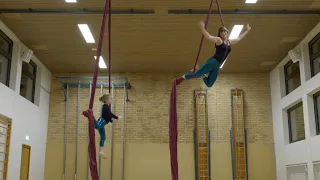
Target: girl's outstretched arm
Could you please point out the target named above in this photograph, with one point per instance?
(114, 116)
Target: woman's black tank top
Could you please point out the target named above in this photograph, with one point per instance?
(222, 52)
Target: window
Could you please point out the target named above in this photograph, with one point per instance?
(5, 58)
(296, 123)
(314, 51)
(297, 172)
(316, 169)
(292, 76)
(28, 80)
(316, 100)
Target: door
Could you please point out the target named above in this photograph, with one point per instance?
(25, 162)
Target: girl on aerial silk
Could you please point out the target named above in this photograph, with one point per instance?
(106, 117)
(210, 69)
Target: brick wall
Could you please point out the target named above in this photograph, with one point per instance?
(148, 109)
(148, 118)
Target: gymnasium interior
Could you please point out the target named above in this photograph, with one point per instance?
(259, 121)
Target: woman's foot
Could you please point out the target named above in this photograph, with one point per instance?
(102, 153)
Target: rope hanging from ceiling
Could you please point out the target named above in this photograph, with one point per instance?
(89, 112)
(173, 129)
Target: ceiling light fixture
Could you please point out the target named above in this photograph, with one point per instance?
(251, 1)
(102, 63)
(236, 30)
(71, 1)
(223, 63)
(86, 33)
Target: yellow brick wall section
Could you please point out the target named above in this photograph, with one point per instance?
(148, 109)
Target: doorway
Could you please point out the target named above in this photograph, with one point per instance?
(25, 162)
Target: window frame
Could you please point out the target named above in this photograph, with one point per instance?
(316, 109)
(289, 123)
(31, 76)
(287, 78)
(313, 56)
(7, 55)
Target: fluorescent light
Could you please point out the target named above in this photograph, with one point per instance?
(84, 28)
(102, 63)
(71, 1)
(27, 138)
(251, 1)
(223, 63)
(236, 30)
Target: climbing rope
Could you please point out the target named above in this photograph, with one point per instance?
(173, 130)
(220, 13)
(202, 37)
(96, 67)
(109, 36)
(89, 113)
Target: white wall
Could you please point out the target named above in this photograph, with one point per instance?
(305, 151)
(27, 118)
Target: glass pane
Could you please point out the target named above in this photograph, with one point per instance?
(315, 48)
(26, 87)
(316, 169)
(31, 69)
(316, 65)
(292, 68)
(297, 172)
(28, 68)
(4, 45)
(3, 69)
(297, 124)
(293, 83)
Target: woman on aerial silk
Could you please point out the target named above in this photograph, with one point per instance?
(210, 69)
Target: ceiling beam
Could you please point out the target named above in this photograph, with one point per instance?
(81, 11)
(173, 11)
(237, 11)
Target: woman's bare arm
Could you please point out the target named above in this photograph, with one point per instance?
(214, 39)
